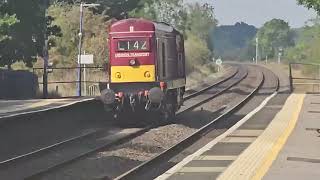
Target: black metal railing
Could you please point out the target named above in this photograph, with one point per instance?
(304, 74)
(63, 81)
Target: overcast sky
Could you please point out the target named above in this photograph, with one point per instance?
(256, 12)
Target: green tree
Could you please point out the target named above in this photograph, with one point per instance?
(234, 41)
(200, 20)
(311, 4)
(27, 35)
(65, 51)
(273, 35)
(118, 9)
(197, 52)
(307, 44)
(172, 12)
(6, 24)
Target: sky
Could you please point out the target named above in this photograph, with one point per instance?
(257, 12)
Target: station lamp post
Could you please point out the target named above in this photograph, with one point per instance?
(82, 5)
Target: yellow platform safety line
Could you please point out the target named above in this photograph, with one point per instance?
(143, 73)
(256, 160)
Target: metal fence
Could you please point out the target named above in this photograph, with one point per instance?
(63, 81)
(304, 77)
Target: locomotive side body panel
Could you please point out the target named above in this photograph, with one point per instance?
(170, 56)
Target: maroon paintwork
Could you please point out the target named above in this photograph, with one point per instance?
(132, 29)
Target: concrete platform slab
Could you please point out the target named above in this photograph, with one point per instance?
(221, 151)
(228, 149)
(193, 176)
(209, 163)
(255, 161)
(13, 107)
(300, 157)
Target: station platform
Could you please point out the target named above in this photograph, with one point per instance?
(288, 147)
(16, 107)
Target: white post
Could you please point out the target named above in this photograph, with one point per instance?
(319, 71)
(84, 77)
(84, 80)
(257, 49)
(280, 54)
(267, 59)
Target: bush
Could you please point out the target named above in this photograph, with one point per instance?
(197, 52)
(94, 39)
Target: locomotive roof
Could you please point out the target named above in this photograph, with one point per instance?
(141, 25)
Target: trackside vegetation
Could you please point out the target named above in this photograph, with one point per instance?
(22, 32)
(23, 24)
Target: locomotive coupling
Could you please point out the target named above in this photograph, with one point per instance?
(108, 96)
(156, 95)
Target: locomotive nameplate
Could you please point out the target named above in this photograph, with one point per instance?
(127, 55)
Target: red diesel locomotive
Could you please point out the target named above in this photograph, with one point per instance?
(147, 68)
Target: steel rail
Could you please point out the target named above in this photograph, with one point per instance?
(176, 149)
(47, 148)
(24, 115)
(142, 131)
(211, 86)
(216, 94)
(51, 147)
(2, 163)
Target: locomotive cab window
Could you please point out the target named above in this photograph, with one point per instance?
(133, 45)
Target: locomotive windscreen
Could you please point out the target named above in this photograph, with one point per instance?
(133, 45)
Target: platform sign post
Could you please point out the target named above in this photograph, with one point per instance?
(85, 59)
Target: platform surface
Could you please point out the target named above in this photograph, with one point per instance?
(287, 148)
(13, 107)
(300, 156)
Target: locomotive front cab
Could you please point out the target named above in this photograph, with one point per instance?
(132, 60)
(132, 72)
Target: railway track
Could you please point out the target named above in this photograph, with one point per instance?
(154, 164)
(135, 133)
(176, 149)
(234, 79)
